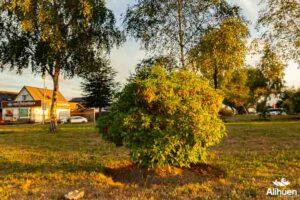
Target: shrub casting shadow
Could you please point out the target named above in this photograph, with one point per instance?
(127, 174)
(132, 174)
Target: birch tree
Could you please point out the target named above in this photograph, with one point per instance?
(173, 27)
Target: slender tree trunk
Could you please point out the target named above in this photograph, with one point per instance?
(246, 110)
(216, 84)
(53, 110)
(232, 109)
(181, 31)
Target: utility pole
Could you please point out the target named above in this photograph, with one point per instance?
(44, 94)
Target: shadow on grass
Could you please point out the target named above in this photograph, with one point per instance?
(127, 173)
(7, 168)
(5, 132)
(132, 174)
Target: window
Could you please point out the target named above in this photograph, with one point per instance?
(24, 113)
(24, 97)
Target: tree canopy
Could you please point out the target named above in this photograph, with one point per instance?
(280, 20)
(166, 62)
(236, 91)
(221, 52)
(43, 34)
(173, 27)
(255, 82)
(272, 69)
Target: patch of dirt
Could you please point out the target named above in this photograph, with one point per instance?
(130, 173)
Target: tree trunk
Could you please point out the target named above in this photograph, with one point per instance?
(95, 120)
(53, 110)
(216, 84)
(181, 31)
(233, 110)
(246, 110)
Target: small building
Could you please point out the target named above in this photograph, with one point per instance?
(78, 108)
(6, 96)
(77, 104)
(33, 104)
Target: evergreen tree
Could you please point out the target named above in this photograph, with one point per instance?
(99, 87)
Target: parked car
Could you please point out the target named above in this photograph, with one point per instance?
(78, 119)
(276, 111)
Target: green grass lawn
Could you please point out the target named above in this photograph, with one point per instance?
(38, 165)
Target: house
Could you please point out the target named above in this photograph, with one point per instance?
(6, 96)
(78, 108)
(77, 104)
(33, 104)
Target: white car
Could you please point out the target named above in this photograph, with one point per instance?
(78, 119)
(276, 111)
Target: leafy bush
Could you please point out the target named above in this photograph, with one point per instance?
(166, 119)
(262, 106)
(262, 110)
(290, 101)
(226, 112)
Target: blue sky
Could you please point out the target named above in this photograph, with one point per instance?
(125, 58)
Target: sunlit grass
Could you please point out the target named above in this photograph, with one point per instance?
(37, 165)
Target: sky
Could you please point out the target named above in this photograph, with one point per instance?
(125, 58)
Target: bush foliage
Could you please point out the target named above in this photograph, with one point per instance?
(225, 112)
(166, 119)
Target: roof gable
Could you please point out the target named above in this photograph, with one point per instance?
(23, 91)
(38, 93)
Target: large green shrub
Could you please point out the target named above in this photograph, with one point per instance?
(166, 119)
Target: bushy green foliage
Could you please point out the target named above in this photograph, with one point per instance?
(290, 101)
(225, 112)
(166, 119)
(262, 109)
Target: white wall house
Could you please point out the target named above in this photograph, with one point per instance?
(29, 104)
